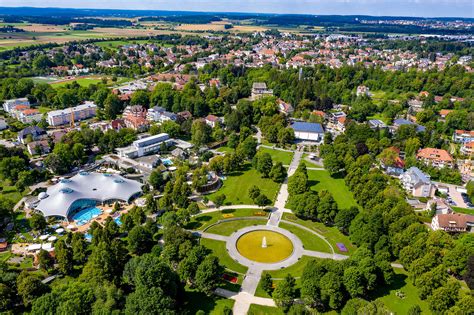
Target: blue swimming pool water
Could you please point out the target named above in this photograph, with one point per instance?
(167, 162)
(88, 237)
(118, 221)
(85, 215)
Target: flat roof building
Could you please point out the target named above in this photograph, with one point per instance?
(79, 112)
(145, 146)
(308, 131)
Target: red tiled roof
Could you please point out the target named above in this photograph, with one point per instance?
(457, 220)
(434, 154)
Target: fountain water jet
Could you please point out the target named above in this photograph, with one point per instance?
(264, 242)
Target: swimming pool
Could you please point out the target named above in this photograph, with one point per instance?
(118, 221)
(167, 162)
(85, 215)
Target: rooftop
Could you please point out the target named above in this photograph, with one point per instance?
(307, 127)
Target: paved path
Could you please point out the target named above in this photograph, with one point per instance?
(211, 236)
(228, 208)
(311, 231)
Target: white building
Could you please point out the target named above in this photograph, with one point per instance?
(145, 146)
(259, 89)
(10, 104)
(27, 116)
(417, 183)
(308, 131)
(3, 124)
(80, 112)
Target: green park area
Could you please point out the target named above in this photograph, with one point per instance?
(332, 234)
(256, 309)
(321, 180)
(310, 241)
(464, 210)
(82, 82)
(11, 192)
(219, 250)
(264, 246)
(229, 227)
(213, 305)
(236, 187)
(204, 220)
(278, 156)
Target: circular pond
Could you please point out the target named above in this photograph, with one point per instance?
(264, 246)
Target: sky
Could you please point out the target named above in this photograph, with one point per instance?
(423, 8)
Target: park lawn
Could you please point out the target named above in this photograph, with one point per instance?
(387, 294)
(464, 210)
(310, 240)
(225, 150)
(256, 309)
(331, 233)
(278, 156)
(213, 305)
(296, 270)
(219, 250)
(321, 180)
(202, 221)
(11, 192)
(44, 109)
(237, 185)
(227, 228)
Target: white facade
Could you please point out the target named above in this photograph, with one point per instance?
(10, 104)
(145, 146)
(3, 124)
(80, 112)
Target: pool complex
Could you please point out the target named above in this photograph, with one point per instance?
(85, 215)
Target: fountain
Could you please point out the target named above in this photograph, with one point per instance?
(264, 242)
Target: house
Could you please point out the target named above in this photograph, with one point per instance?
(363, 90)
(436, 157)
(319, 113)
(398, 165)
(179, 153)
(445, 112)
(397, 123)
(118, 124)
(467, 148)
(3, 246)
(72, 114)
(463, 136)
(35, 132)
(439, 205)
(185, 115)
(284, 107)
(212, 120)
(259, 90)
(308, 131)
(8, 105)
(453, 222)
(341, 123)
(38, 147)
(417, 183)
(3, 124)
(376, 124)
(137, 123)
(335, 116)
(135, 111)
(415, 105)
(149, 161)
(29, 116)
(159, 114)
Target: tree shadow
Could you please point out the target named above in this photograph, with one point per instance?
(399, 281)
(313, 182)
(226, 211)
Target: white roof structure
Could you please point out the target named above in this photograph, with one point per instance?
(86, 186)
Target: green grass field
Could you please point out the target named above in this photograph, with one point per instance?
(278, 156)
(219, 250)
(310, 241)
(213, 305)
(332, 234)
(202, 221)
(256, 309)
(237, 185)
(82, 82)
(11, 192)
(321, 180)
(227, 228)
(296, 270)
(463, 210)
(396, 304)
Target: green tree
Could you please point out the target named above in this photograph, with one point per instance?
(208, 274)
(64, 257)
(219, 200)
(263, 163)
(267, 283)
(254, 192)
(262, 200)
(140, 240)
(278, 173)
(112, 106)
(29, 287)
(285, 293)
(200, 132)
(38, 222)
(45, 260)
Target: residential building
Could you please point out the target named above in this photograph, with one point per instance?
(445, 112)
(8, 105)
(77, 113)
(185, 115)
(467, 148)
(376, 124)
(436, 157)
(27, 116)
(38, 147)
(284, 107)
(135, 111)
(417, 183)
(415, 105)
(335, 116)
(159, 114)
(463, 136)
(308, 131)
(145, 146)
(397, 123)
(3, 124)
(136, 123)
(453, 222)
(439, 205)
(259, 90)
(212, 120)
(341, 123)
(35, 132)
(363, 90)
